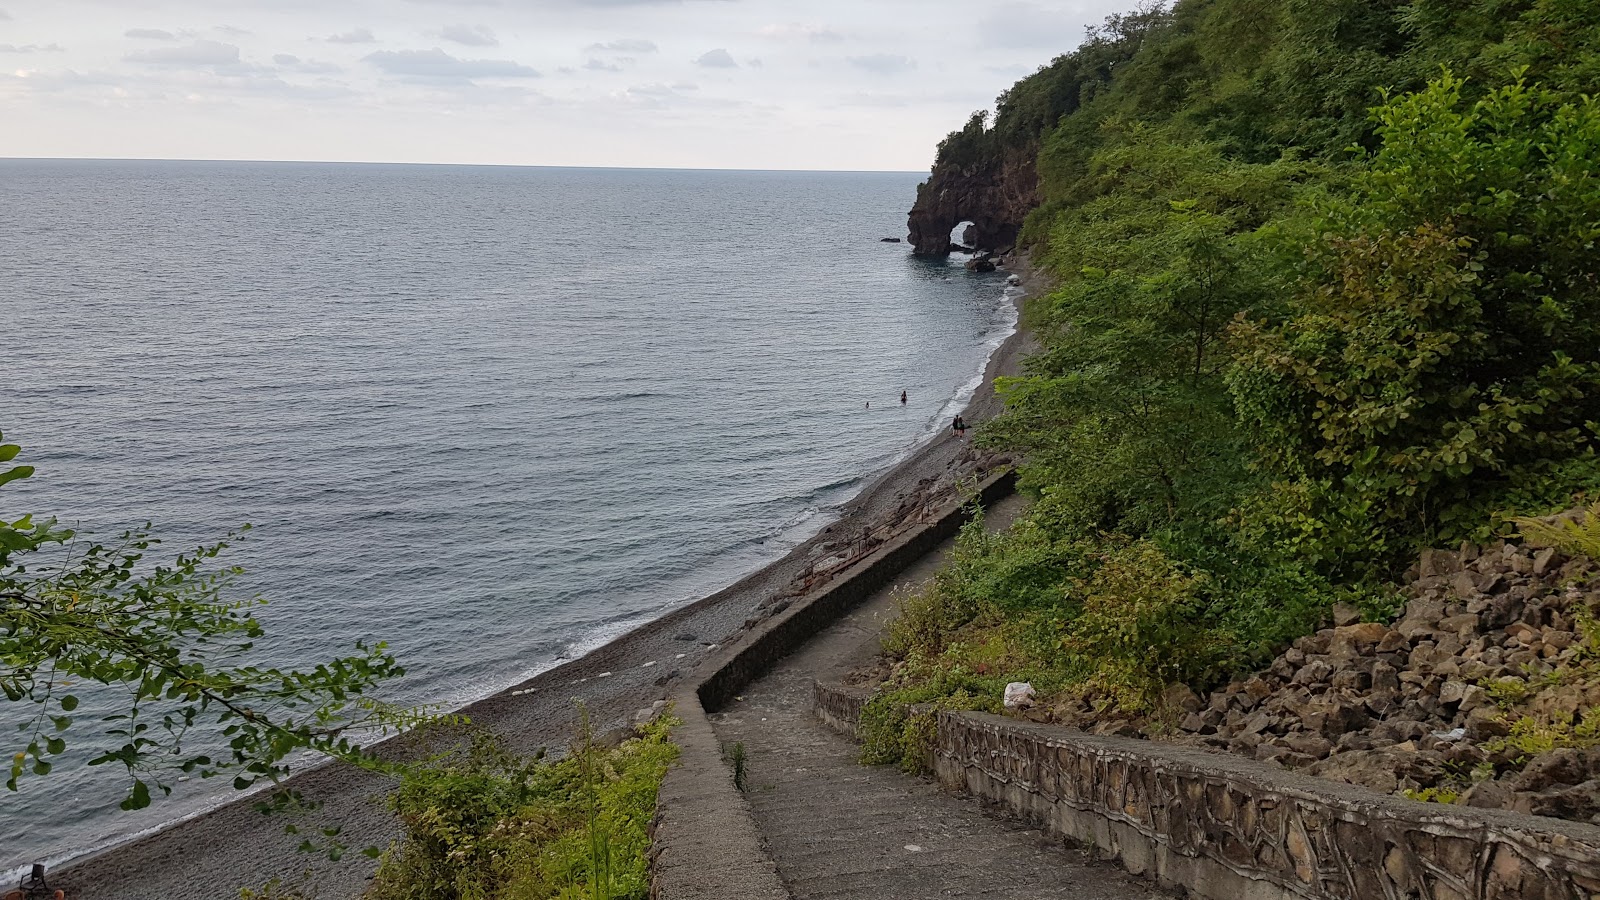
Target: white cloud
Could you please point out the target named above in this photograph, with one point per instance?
(353, 36)
(292, 63)
(838, 84)
(437, 64)
(883, 63)
(717, 59)
(4, 16)
(469, 35)
(1028, 26)
(199, 53)
(626, 45)
(795, 31)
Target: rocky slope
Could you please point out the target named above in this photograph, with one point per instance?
(994, 197)
(1485, 691)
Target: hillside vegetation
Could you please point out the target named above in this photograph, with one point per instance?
(1327, 294)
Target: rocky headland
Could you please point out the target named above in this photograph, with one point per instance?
(994, 195)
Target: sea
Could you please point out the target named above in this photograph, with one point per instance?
(493, 416)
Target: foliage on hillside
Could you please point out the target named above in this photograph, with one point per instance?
(1328, 292)
(484, 823)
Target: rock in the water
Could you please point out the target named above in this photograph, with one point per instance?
(889, 240)
(980, 264)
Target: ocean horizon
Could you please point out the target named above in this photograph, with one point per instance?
(493, 415)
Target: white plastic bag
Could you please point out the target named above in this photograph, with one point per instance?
(1019, 695)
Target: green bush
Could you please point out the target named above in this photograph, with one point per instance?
(483, 823)
(1272, 369)
(1141, 626)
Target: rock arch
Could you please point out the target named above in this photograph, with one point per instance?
(994, 197)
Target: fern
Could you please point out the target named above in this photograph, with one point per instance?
(1572, 535)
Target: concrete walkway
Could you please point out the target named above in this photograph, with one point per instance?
(838, 829)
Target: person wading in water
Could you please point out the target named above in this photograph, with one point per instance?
(902, 398)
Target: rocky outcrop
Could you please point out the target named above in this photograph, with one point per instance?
(1495, 641)
(994, 196)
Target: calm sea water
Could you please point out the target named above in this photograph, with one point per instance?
(493, 416)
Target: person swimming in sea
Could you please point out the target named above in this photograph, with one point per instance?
(902, 398)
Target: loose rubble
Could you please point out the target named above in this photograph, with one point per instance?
(1426, 706)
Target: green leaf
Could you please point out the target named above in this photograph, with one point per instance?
(69, 703)
(16, 473)
(138, 798)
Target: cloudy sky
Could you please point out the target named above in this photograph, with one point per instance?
(826, 84)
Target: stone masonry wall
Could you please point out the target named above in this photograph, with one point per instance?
(1230, 828)
(1227, 828)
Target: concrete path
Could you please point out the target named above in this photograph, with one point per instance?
(837, 829)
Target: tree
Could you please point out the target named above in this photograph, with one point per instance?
(1445, 345)
(74, 611)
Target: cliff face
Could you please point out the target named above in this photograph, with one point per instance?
(995, 198)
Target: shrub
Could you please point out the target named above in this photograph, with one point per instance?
(1142, 626)
(483, 823)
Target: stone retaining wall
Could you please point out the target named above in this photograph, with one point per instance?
(840, 707)
(781, 635)
(704, 843)
(1228, 828)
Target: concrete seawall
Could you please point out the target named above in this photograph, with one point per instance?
(1229, 828)
(704, 842)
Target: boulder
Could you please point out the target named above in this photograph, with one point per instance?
(1308, 744)
(1180, 698)
(1485, 723)
(1558, 767)
(1541, 561)
(1353, 640)
(1315, 671)
(888, 240)
(1374, 769)
(1580, 802)
(1333, 716)
(1488, 795)
(1437, 562)
(1384, 677)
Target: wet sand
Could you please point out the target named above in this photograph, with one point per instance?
(212, 856)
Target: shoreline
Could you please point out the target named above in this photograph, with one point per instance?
(216, 851)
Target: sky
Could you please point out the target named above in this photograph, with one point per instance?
(745, 84)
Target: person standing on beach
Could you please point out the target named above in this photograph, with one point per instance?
(902, 398)
(958, 427)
